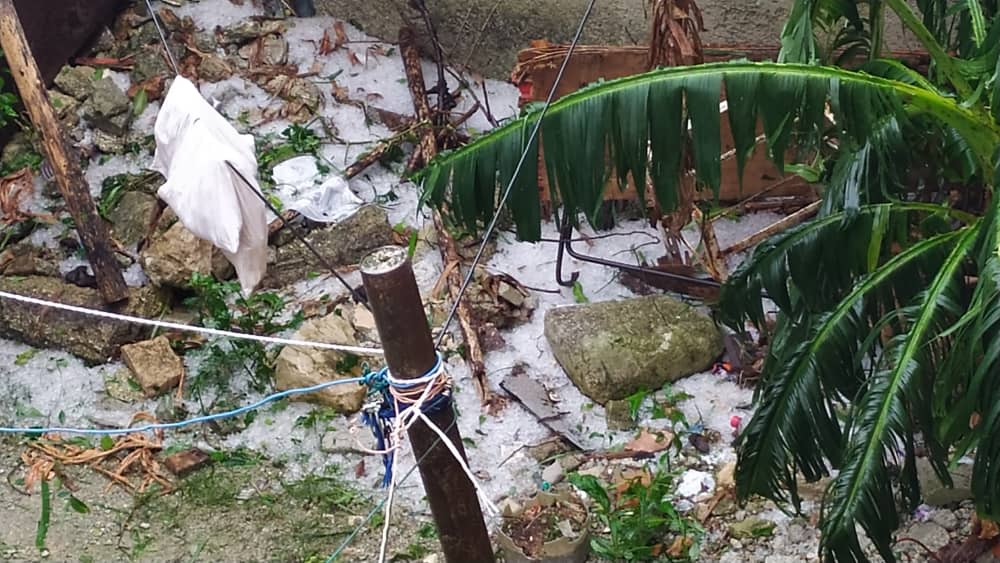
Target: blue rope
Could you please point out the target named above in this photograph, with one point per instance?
(197, 420)
(379, 416)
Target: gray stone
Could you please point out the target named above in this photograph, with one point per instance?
(130, 218)
(214, 68)
(94, 342)
(612, 349)
(930, 534)
(19, 145)
(106, 103)
(115, 143)
(936, 493)
(205, 42)
(26, 259)
(77, 81)
(154, 365)
(172, 258)
(149, 62)
(119, 386)
(65, 107)
(145, 34)
(619, 415)
(305, 367)
(247, 30)
(342, 244)
(752, 527)
(945, 518)
(553, 472)
(273, 50)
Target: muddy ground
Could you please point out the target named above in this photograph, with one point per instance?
(239, 509)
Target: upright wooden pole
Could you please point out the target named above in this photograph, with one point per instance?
(409, 353)
(93, 232)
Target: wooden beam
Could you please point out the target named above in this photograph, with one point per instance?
(788, 222)
(93, 232)
(426, 150)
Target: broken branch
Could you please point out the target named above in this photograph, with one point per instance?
(446, 244)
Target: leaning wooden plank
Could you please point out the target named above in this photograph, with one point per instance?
(93, 232)
(786, 223)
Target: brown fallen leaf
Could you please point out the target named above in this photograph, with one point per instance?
(629, 477)
(650, 442)
(353, 58)
(153, 86)
(15, 189)
(338, 30)
(974, 420)
(359, 469)
(680, 547)
(325, 46)
(988, 529)
(340, 93)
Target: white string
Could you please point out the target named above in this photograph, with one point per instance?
(359, 350)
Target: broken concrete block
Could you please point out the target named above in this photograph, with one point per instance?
(188, 461)
(299, 366)
(94, 342)
(155, 366)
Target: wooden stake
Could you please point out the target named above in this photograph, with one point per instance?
(409, 353)
(786, 223)
(93, 232)
(446, 244)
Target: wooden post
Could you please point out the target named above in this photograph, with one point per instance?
(93, 232)
(409, 353)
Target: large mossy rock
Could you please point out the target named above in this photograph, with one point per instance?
(92, 339)
(612, 349)
(341, 244)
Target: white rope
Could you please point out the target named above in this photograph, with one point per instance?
(360, 350)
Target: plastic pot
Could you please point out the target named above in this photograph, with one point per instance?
(561, 550)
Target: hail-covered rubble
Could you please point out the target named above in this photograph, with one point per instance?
(45, 387)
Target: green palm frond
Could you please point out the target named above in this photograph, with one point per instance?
(804, 381)
(862, 491)
(664, 110)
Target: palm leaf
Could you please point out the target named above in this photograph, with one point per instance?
(861, 494)
(580, 131)
(795, 424)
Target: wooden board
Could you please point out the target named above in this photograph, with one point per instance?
(537, 68)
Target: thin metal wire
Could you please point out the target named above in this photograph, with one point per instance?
(451, 315)
(163, 37)
(513, 178)
(357, 295)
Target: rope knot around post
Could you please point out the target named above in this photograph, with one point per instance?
(394, 399)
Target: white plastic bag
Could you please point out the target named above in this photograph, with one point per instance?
(193, 146)
(327, 202)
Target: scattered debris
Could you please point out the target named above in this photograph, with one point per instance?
(154, 365)
(186, 462)
(534, 397)
(128, 461)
